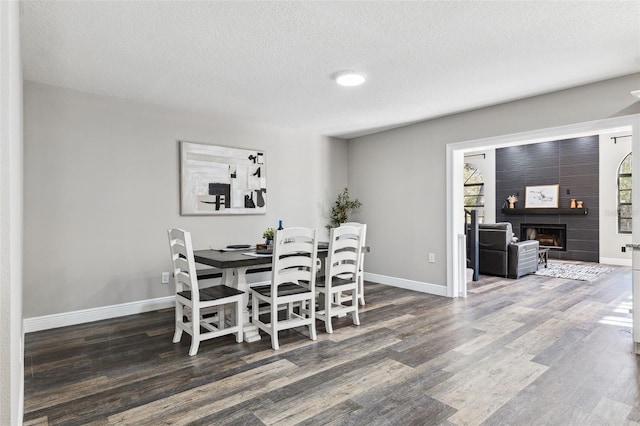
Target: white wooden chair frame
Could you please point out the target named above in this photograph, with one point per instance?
(193, 302)
(364, 249)
(293, 278)
(341, 275)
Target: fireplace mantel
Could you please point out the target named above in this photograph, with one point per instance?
(522, 212)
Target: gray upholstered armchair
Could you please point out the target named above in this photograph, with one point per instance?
(500, 255)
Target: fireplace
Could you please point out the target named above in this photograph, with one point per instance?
(551, 236)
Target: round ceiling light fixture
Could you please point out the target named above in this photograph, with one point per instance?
(349, 78)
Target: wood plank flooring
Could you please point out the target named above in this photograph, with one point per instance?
(540, 351)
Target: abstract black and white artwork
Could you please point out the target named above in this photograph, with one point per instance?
(217, 180)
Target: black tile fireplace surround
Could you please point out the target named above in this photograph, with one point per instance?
(551, 236)
(571, 163)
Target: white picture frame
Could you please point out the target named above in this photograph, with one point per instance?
(222, 180)
(541, 196)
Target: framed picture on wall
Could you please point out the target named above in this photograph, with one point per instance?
(219, 180)
(541, 196)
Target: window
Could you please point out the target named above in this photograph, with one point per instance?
(624, 196)
(474, 190)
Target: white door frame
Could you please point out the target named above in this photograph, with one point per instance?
(455, 205)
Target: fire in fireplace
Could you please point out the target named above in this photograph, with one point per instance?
(551, 236)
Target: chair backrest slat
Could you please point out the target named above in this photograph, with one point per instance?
(292, 276)
(294, 261)
(184, 265)
(293, 247)
(345, 255)
(181, 264)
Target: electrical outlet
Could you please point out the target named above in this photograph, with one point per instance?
(165, 278)
(624, 249)
(432, 257)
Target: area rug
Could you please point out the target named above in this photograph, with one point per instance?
(574, 271)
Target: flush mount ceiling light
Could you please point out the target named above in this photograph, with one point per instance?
(349, 78)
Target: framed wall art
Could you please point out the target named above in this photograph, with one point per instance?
(219, 180)
(541, 196)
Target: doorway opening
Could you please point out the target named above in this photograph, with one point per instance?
(456, 278)
(456, 261)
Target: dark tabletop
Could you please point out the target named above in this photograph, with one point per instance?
(228, 259)
(235, 259)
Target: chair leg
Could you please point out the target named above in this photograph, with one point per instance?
(289, 310)
(195, 344)
(177, 335)
(354, 302)
(179, 316)
(239, 321)
(327, 313)
(361, 289)
(253, 315)
(312, 314)
(274, 327)
(221, 317)
(195, 335)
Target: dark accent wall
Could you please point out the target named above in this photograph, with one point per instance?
(572, 163)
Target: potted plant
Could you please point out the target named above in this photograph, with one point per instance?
(342, 208)
(268, 235)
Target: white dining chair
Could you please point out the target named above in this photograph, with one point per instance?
(341, 276)
(292, 287)
(361, 269)
(192, 301)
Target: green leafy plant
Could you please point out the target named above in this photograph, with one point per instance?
(342, 208)
(268, 234)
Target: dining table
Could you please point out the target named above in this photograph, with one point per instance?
(234, 265)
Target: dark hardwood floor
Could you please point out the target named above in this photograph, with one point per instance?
(536, 350)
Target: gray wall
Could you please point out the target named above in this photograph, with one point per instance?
(399, 175)
(97, 166)
(102, 185)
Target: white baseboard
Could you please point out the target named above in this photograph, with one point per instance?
(616, 261)
(422, 287)
(47, 322)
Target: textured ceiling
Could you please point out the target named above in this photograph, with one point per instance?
(269, 62)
